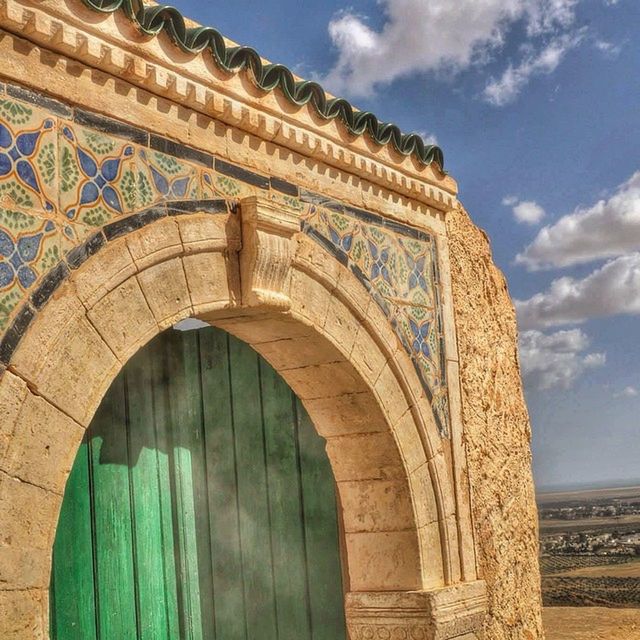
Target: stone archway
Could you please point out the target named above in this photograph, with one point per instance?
(322, 334)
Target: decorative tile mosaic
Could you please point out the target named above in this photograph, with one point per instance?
(28, 157)
(70, 181)
(29, 248)
(401, 274)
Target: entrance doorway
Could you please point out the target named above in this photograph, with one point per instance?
(201, 506)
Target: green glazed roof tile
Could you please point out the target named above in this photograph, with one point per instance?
(151, 20)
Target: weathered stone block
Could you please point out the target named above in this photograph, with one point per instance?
(155, 243)
(22, 615)
(209, 233)
(369, 456)
(13, 391)
(29, 514)
(376, 505)
(123, 319)
(103, 272)
(43, 444)
(346, 414)
(324, 380)
(383, 561)
(165, 288)
(208, 281)
(299, 352)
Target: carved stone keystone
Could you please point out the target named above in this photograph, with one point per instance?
(449, 613)
(266, 254)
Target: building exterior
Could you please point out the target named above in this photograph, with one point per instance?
(152, 171)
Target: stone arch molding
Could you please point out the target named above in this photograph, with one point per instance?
(250, 272)
(247, 198)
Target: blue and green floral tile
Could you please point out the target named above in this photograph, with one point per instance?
(163, 177)
(28, 157)
(232, 188)
(29, 247)
(73, 234)
(415, 276)
(291, 203)
(208, 189)
(97, 176)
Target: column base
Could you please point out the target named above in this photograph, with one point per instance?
(448, 613)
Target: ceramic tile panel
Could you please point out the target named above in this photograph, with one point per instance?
(400, 271)
(67, 174)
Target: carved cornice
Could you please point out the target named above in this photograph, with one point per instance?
(113, 44)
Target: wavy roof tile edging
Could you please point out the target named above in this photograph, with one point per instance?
(152, 20)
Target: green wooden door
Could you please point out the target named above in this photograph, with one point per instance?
(201, 506)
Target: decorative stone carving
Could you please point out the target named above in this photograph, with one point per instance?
(441, 614)
(266, 254)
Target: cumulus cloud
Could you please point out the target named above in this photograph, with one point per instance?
(610, 290)
(525, 211)
(627, 392)
(504, 90)
(557, 359)
(420, 36)
(609, 228)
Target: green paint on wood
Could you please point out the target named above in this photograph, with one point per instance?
(73, 598)
(201, 506)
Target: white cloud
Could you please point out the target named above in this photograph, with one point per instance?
(557, 359)
(607, 229)
(608, 49)
(627, 392)
(429, 138)
(507, 88)
(525, 212)
(423, 36)
(528, 212)
(610, 290)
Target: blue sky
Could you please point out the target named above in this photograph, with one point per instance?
(536, 104)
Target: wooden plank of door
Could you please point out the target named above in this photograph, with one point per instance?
(183, 416)
(230, 620)
(145, 493)
(164, 458)
(321, 533)
(72, 593)
(257, 570)
(285, 501)
(115, 583)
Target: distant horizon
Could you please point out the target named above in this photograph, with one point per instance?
(587, 486)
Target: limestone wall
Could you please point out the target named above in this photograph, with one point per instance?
(497, 435)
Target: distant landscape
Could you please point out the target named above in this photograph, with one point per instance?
(590, 547)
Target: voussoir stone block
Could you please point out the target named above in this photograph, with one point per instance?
(25, 555)
(346, 414)
(165, 288)
(155, 243)
(123, 319)
(13, 391)
(376, 505)
(43, 445)
(103, 272)
(208, 281)
(74, 368)
(368, 456)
